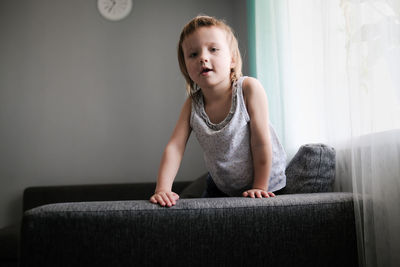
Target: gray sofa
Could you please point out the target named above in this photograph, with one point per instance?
(289, 230)
(305, 226)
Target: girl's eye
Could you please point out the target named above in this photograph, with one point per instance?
(214, 49)
(192, 55)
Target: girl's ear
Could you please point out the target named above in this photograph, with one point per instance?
(233, 63)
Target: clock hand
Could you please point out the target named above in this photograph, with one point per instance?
(112, 6)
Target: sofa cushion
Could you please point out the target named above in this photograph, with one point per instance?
(311, 170)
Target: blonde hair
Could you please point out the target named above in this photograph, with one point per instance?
(206, 21)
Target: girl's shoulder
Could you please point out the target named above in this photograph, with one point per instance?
(250, 83)
(251, 86)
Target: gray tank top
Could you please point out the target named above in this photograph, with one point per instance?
(226, 146)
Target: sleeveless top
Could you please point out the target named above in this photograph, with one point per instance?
(226, 146)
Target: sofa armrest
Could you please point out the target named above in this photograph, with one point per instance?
(288, 230)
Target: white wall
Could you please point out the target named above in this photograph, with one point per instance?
(84, 100)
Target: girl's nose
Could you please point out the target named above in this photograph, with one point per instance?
(203, 57)
(203, 60)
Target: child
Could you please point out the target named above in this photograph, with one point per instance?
(229, 115)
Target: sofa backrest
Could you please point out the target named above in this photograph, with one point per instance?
(288, 230)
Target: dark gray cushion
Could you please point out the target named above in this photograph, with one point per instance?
(196, 188)
(311, 170)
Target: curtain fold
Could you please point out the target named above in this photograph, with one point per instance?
(331, 73)
(267, 53)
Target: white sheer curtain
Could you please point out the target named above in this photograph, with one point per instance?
(338, 67)
(373, 85)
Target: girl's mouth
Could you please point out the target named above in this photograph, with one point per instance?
(205, 71)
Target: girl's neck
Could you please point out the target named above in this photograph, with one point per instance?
(217, 94)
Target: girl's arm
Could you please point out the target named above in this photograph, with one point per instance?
(171, 159)
(257, 107)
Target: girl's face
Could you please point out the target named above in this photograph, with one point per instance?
(208, 58)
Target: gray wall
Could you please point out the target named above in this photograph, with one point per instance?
(84, 100)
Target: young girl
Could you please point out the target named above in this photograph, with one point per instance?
(229, 115)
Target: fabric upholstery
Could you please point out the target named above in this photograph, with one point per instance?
(288, 230)
(312, 170)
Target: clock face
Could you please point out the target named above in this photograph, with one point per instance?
(114, 9)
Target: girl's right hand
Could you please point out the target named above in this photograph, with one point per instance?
(164, 198)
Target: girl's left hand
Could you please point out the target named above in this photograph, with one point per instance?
(257, 193)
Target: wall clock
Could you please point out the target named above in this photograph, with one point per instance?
(114, 9)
